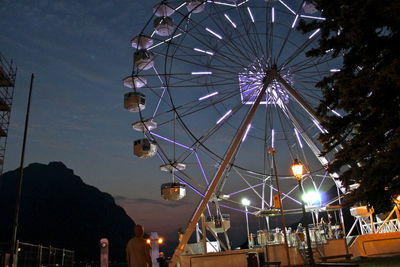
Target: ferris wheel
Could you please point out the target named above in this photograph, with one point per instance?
(225, 97)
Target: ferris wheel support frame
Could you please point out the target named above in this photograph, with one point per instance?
(221, 170)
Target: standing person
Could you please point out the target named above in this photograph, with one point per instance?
(137, 250)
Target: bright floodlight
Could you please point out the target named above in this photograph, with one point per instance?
(245, 202)
(312, 198)
(297, 169)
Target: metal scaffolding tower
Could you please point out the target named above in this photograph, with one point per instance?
(8, 73)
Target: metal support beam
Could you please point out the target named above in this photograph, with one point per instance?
(220, 172)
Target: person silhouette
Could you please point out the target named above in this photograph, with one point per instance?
(137, 250)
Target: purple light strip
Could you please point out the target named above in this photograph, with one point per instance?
(323, 179)
(171, 141)
(239, 210)
(285, 195)
(191, 187)
(245, 189)
(180, 179)
(201, 167)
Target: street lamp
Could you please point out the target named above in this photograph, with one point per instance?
(298, 170)
(246, 203)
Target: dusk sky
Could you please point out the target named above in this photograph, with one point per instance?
(79, 52)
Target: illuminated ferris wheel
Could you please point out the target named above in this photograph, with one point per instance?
(226, 98)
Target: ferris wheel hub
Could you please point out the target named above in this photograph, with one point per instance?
(253, 78)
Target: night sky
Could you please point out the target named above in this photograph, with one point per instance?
(79, 52)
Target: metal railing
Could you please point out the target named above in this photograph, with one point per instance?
(388, 227)
(30, 255)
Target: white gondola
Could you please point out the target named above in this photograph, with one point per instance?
(164, 26)
(177, 166)
(144, 126)
(144, 148)
(173, 191)
(309, 7)
(361, 212)
(134, 81)
(219, 224)
(141, 41)
(195, 6)
(134, 101)
(143, 59)
(163, 9)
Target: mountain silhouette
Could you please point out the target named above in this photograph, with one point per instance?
(59, 209)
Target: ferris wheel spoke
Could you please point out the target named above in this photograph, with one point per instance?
(250, 186)
(247, 42)
(289, 29)
(300, 50)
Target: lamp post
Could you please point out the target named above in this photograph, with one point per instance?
(246, 203)
(298, 170)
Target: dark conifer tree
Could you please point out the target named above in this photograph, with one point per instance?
(365, 34)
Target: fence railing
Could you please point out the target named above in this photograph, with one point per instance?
(30, 255)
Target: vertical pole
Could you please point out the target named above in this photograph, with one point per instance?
(272, 150)
(19, 182)
(62, 259)
(197, 233)
(309, 249)
(203, 229)
(247, 222)
(40, 256)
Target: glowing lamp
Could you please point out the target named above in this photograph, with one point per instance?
(297, 169)
(160, 241)
(245, 202)
(148, 241)
(396, 199)
(312, 197)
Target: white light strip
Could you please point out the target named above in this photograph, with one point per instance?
(291, 10)
(314, 33)
(221, 3)
(203, 51)
(336, 113)
(322, 130)
(298, 138)
(273, 138)
(208, 96)
(243, 2)
(214, 33)
(312, 17)
(273, 14)
(251, 14)
(295, 21)
(165, 41)
(334, 70)
(229, 19)
(223, 117)
(179, 7)
(246, 132)
(201, 72)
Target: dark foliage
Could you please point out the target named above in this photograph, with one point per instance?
(60, 210)
(367, 93)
